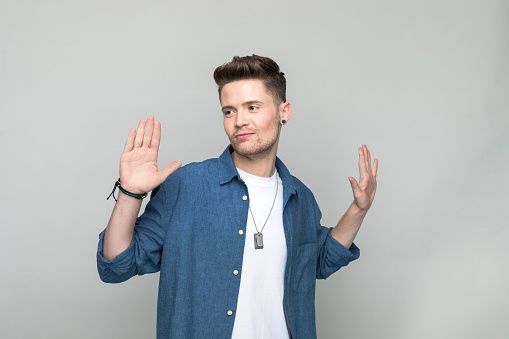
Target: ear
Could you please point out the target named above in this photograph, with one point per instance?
(286, 111)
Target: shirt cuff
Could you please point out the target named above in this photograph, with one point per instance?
(120, 264)
(339, 253)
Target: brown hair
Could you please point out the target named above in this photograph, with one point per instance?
(253, 67)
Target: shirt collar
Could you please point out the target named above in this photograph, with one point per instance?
(227, 171)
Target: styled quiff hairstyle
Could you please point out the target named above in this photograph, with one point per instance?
(253, 67)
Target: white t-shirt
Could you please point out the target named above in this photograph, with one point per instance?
(260, 312)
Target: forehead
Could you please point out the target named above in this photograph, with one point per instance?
(245, 90)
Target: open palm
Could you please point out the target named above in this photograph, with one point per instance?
(364, 190)
(138, 165)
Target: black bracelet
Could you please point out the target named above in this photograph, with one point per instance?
(134, 195)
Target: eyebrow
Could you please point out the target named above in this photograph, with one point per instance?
(247, 103)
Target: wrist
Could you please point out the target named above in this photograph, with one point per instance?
(127, 186)
(139, 196)
(129, 193)
(118, 185)
(127, 199)
(356, 210)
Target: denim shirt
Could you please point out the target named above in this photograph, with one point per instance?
(190, 232)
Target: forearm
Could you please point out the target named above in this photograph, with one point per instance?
(120, 229)
(347, 228)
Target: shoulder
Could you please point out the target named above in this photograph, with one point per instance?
(289, 179)
(198, 167)
(301, 188)
(203, 168)
(304, 199)
(193, 172)
(299, 185)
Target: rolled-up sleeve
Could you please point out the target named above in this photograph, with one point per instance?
(120, 268)
(333, 255)
(144, 253)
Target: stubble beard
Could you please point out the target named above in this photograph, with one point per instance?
(258, 149)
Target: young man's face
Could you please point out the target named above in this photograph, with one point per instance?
(251, 118)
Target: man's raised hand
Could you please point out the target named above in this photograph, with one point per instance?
(138, 165)
(364, 190)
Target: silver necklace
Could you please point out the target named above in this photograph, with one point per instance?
(258, 236)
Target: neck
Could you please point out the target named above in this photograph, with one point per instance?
(259, 166)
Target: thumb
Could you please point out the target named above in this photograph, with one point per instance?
(354, 184)
(165, 172)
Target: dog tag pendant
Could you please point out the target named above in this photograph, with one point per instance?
(258, 239)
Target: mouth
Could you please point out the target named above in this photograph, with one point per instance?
(243, 136)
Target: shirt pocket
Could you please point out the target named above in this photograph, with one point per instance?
(305, 268)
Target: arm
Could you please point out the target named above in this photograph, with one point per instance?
(364, 193)
(138, 174)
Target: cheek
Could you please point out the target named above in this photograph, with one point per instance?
(226, 126)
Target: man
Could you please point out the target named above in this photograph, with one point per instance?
(237, 239)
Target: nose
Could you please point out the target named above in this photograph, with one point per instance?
(241, 119)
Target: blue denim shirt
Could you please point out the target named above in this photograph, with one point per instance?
(190, 233)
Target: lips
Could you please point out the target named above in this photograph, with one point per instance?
(243, 136)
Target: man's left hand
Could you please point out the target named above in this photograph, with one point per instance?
(364, 190)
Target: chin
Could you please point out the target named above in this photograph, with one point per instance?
(250, 150)
(242, 149)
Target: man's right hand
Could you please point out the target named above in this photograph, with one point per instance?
(138, 165)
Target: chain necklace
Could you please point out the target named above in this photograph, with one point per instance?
(258, 236)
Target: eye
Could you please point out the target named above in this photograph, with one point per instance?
(253, 108)
(228, 112)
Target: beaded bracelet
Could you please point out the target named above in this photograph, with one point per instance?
(123, 190)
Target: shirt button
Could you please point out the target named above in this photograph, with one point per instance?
(229, 312)
(241, 232)
(235, 272)
(244, 197)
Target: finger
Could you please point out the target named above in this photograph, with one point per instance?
(147, 136)
(366, 157)
(138, 140)
(165, 172)
(156, 136)
(375, 167)
(369, 159)
(130, 140)
(355, 186)
(362, 162)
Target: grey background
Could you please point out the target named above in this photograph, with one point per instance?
(424, 84)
